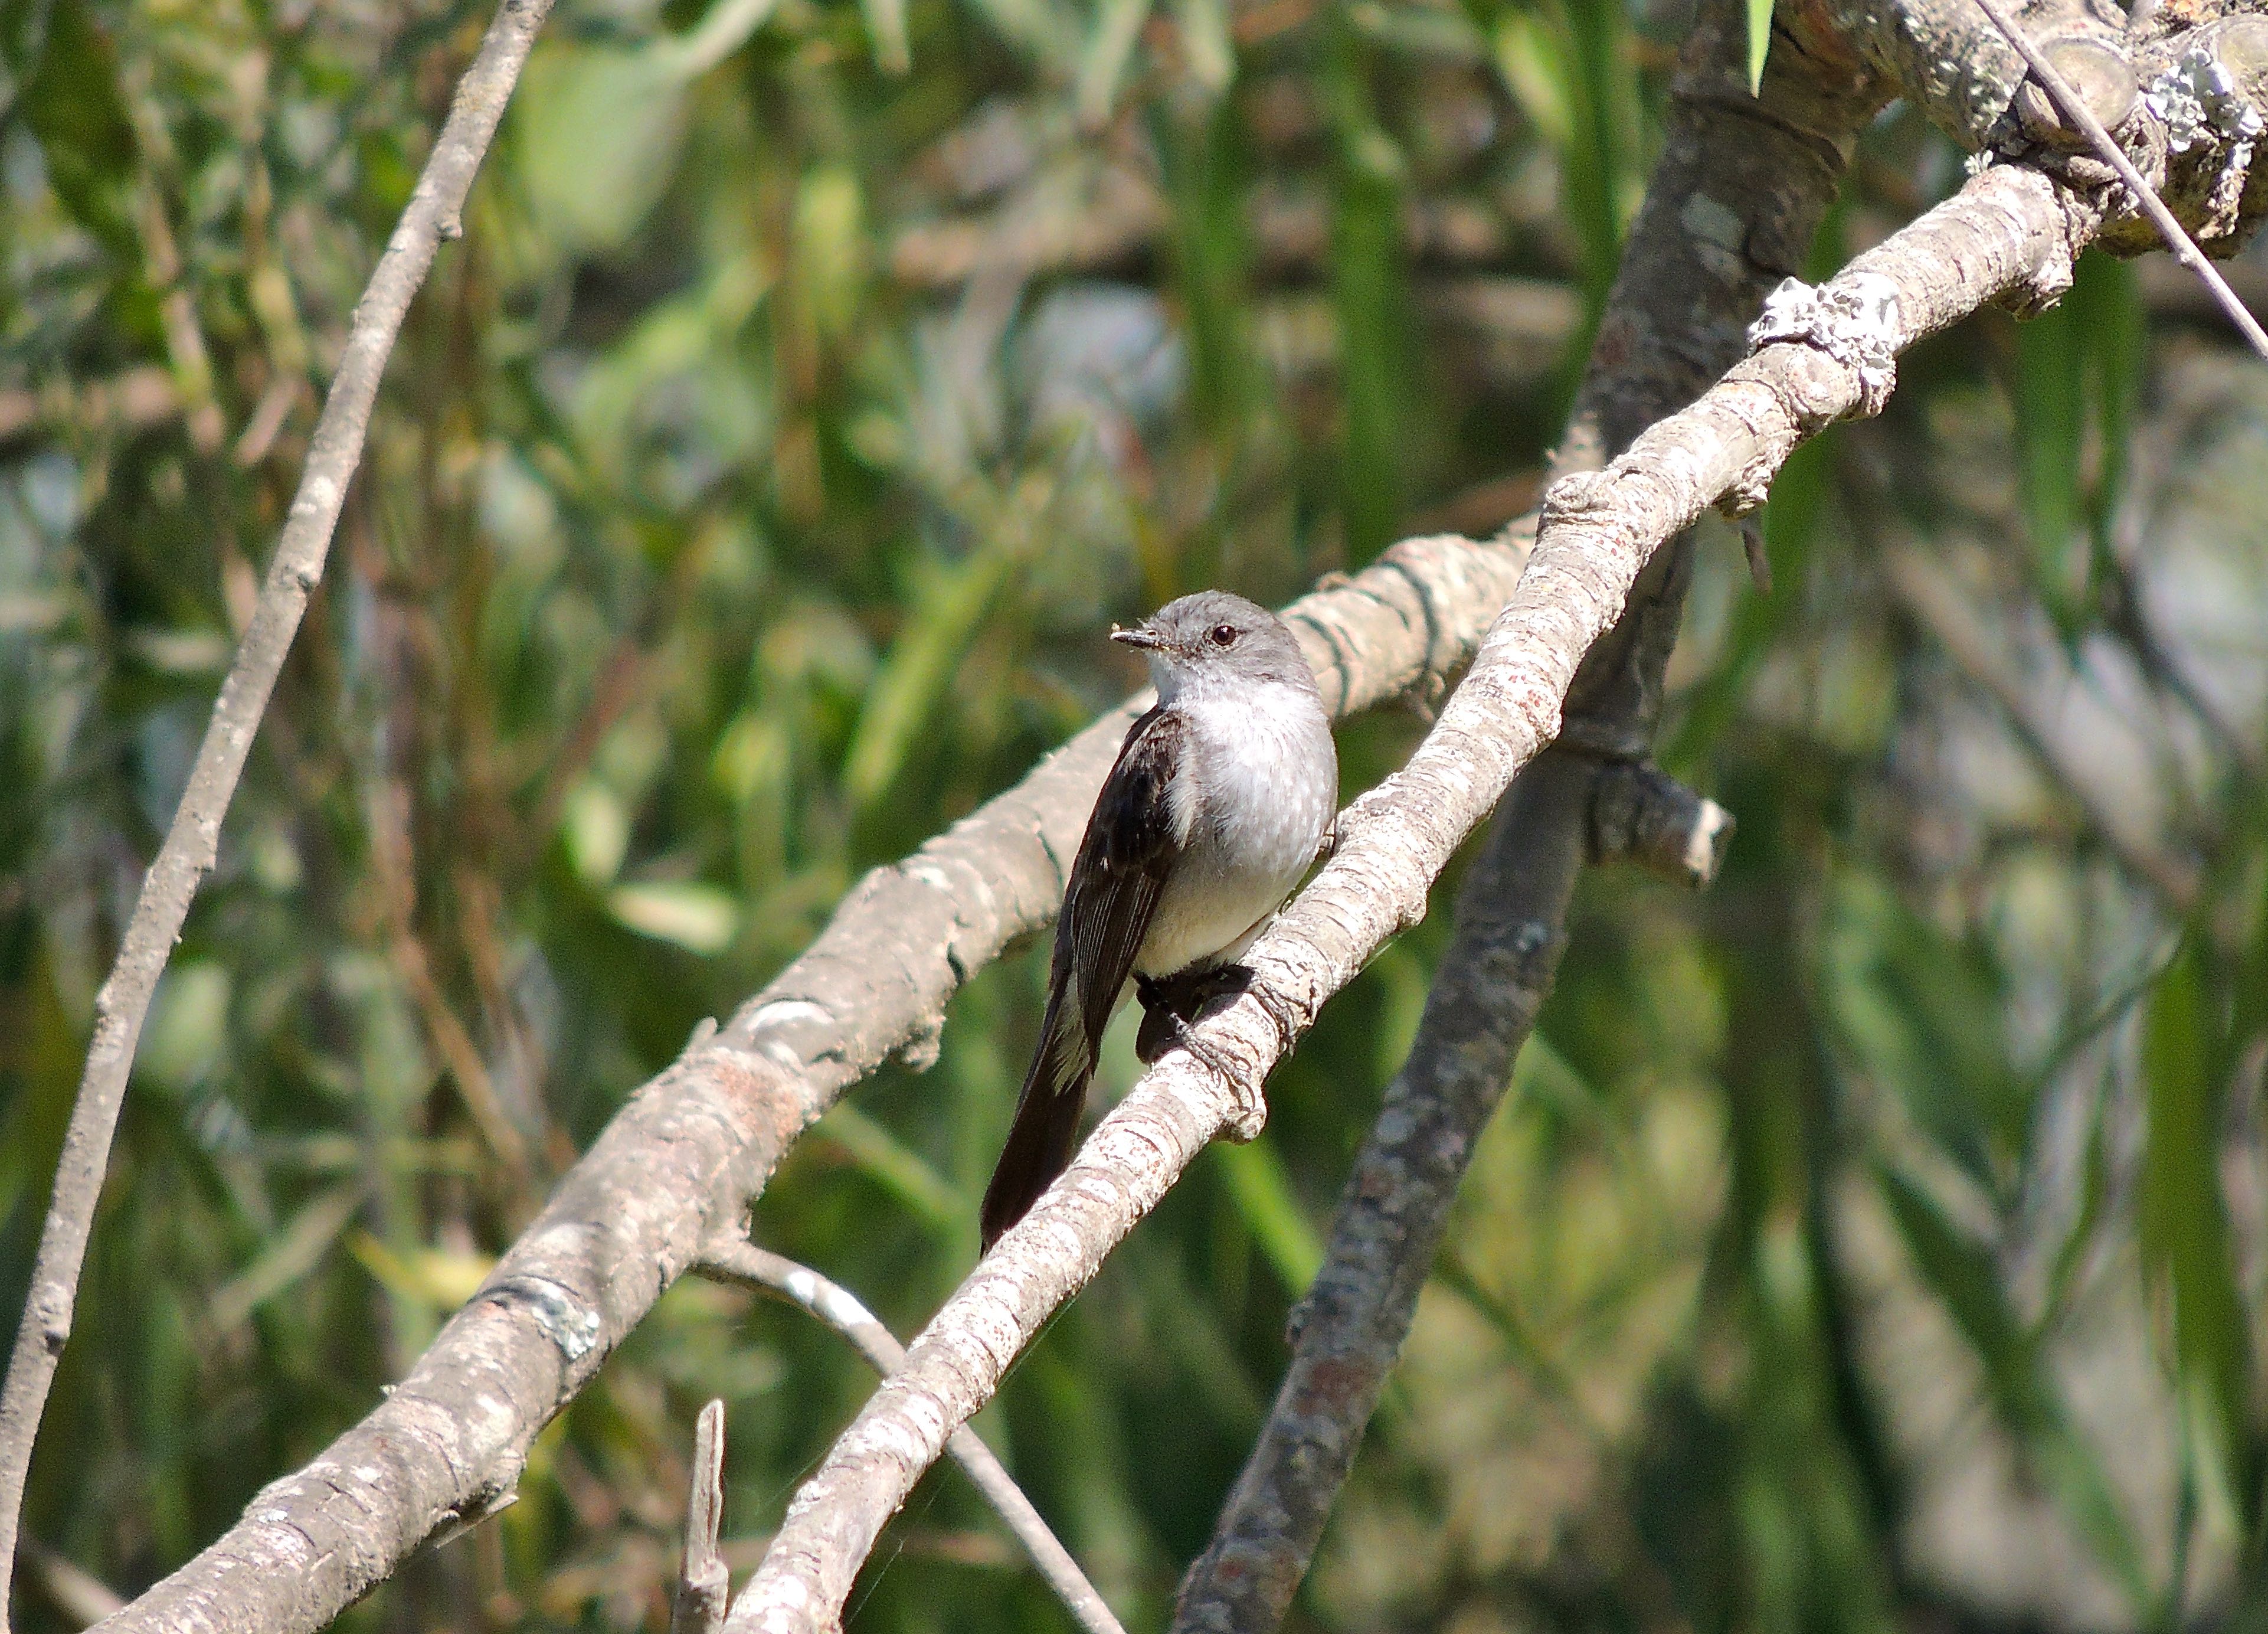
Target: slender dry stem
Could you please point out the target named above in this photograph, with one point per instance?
(192, 841)
(738, 1260)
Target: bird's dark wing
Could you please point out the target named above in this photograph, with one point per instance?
(1131, 843)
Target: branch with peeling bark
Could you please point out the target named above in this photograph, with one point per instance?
(2006, 230)
(1773, 161)
(192, 841)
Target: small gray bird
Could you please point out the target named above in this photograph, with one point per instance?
(1220, 798)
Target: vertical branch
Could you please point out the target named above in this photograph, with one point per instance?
(192, 841)
(702, 1580)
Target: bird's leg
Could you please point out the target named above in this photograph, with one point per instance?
(1170, 1003)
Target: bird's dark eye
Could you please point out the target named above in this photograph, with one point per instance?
(1223, 634)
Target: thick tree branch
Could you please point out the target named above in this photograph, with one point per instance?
(2007, 230)
(695, 1144)
(192, 841)
(2074, 107)
(739, 1262)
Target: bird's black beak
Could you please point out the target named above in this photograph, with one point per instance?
(1141, 636)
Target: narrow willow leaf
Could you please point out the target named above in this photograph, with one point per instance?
(699, 918)
(2183, 1217)
(1206, 43)
(1264, 1197)
(1104, 63)
(296, 1251)
(896, 1166)
(1760, 16)
(906, 692)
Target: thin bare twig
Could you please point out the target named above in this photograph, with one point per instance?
(192, 842)
(2074, 108)
(739, 1261)
(703, 1581)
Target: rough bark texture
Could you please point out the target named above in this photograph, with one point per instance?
(695, 1144)
(2008, 229)
(192, 841)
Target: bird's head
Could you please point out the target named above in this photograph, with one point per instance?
(1214, 638)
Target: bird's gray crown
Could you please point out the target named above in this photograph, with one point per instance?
(1214, 636)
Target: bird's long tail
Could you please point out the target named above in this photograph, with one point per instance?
(1040, 1141)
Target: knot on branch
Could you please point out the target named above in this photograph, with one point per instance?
(1642, 813)
(1853, 320)
(2095, 64)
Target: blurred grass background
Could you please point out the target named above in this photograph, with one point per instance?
(1878, 1241)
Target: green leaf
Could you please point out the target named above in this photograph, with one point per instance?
(2185, 1219)
(2078, 370)
(1923, 1013)
(1264, 1197)
(298, 1249)
(66, 69)
(697, 917)
(896, 1166)
(949, 611)
(886, 26)
(599, 131)
(1760, 16)
(1102, 65)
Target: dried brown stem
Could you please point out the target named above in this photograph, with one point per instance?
(192, 841)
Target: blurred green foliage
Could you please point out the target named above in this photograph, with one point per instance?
(1877, 1241)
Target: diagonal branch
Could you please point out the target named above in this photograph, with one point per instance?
(2008, 229)
(738, 1260)
(192, 841)
(695, 1144)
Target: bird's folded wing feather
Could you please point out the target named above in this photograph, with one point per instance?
(1141, 822)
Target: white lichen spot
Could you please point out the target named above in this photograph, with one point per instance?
(784, 1012)
(320, 494)
(1711, 222)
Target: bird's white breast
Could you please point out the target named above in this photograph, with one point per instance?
(1265, 785)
